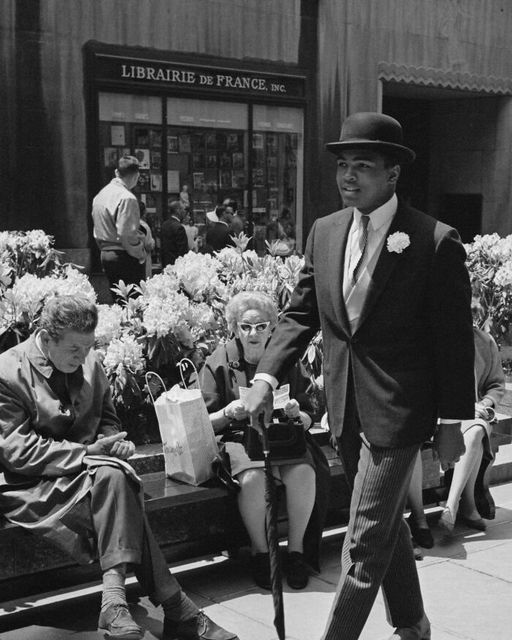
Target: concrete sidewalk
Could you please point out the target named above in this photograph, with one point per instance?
(466, 582)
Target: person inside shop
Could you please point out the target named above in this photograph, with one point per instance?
(389, 289)
(218, 234)
(116, 219)
(149, 241)
(251, 316)
(469, 500)
(237, 222)
(185, 198)
(63, 473)
(192, 232)
(173, 234)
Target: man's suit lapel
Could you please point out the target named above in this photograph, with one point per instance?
(337, 248)
(386, 262)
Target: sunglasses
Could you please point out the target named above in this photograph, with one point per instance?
(259, 327)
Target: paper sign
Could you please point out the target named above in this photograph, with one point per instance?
(281, 395)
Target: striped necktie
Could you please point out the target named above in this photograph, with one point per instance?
(363, 242)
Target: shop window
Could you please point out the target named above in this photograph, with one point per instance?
(132, 125)
(209, 151)
(278, 156)
(207, 154)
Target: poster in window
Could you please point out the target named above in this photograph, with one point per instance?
(211, 160)
(141, 137)
(225, 160)
(110, 157)
(142, 156)
(197, 142)
(155, 138)
(197, 161)
(211, 140)
(184, 143)
(173, 181)
(232, 142)
(156, 181)
(257, 141)
(198, 180)
(156, 159)
(117, 137)
(271, 143)
(238, 179)
(225, 179)
(172, 144)
(257, 177)
(150, 203)
(238, 160)
(143, 182)
(125, 151)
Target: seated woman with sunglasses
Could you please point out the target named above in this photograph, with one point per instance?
(251, 317)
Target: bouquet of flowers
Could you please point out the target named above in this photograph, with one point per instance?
(489, 261)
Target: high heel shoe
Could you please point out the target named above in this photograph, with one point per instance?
(473, 523)
(447, 521)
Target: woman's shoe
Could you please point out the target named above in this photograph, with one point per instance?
(297, 574)
(473, 523)
(447, 521)
(421, 535)
(260, 568)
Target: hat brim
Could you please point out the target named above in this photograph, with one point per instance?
(405, 155)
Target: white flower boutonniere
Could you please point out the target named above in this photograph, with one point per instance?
(398, 241)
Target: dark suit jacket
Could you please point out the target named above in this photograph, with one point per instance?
(218, 236)
(174, 241)
(411, 356)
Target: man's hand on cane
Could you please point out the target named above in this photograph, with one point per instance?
(449, 444)
(259, 400)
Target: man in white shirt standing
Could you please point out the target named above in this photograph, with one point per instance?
(116, 216)
(388, 287)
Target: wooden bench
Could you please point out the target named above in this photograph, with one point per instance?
(188, 522)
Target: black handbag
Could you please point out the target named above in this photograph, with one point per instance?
(286, 440)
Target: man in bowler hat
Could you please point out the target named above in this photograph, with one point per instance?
(388, 287)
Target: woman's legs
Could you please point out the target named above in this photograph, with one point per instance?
(299, 481)
(251, 504)
(465, 473)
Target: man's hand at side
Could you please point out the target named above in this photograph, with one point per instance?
(259, 400)
(449, 444)
(115, 446)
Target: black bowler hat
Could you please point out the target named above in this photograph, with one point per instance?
(368, 130)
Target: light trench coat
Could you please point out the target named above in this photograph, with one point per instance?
(43, 442)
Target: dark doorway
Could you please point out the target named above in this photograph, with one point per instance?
(464, 212)
(414, 116)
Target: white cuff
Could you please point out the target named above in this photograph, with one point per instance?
(266, 377)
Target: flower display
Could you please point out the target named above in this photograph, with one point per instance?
(397, 242)
(489, 261)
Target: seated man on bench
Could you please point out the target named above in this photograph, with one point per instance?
(63, 475)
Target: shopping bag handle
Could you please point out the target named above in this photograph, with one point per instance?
(152, 373)
(182, 365)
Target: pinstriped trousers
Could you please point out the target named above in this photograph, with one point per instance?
(377, 549)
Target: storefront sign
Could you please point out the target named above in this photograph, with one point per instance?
(214, 79)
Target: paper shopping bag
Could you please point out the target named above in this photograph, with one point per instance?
(187, 435)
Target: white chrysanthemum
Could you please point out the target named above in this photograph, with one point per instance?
(198, 274)
(503, 277)
(74, 282)
(397, 242)
(110, 319)
(161, 317)
(231, 259)
(161, 285)
(124, 351)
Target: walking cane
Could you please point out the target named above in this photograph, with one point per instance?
(276, 581)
